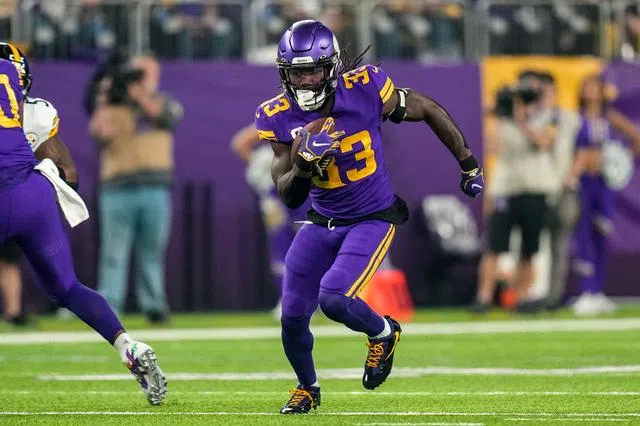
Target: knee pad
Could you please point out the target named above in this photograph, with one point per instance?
(334, 305)
(297, 306)
(294, 326)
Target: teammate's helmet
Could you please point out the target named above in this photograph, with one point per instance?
(308, 61)
(13, 54)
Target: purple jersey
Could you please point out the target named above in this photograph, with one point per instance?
(593, 133)
(356, 183)
(16, 158)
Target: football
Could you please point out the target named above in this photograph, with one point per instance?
(314, 127)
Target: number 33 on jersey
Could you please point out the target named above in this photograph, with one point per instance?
(358, 169)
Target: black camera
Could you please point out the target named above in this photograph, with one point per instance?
(118, 70)
(508, 94)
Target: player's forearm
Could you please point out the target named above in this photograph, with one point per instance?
(441, 123)
(294, 186)
(59, 153)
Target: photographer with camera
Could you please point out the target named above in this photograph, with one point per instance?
(524, 176)
(133, 125)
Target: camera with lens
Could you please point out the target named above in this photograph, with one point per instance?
(112, 79)
(121, 79)
(506, 96)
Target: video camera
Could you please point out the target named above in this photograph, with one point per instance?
(118, 70)
(506, 96)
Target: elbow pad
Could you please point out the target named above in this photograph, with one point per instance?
(400, 111)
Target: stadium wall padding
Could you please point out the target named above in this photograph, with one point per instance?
(216, 213)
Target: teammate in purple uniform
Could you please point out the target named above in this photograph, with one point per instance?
(29, 215)
(354, 210)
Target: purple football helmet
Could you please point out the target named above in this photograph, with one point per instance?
(308, 61)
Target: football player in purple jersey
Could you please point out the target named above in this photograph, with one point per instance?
(40, 124)
(29, 215)
(354, 209)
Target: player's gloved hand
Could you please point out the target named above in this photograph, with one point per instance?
(472, 179)
(317, 150)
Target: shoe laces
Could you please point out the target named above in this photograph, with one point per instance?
(376, 350)
(298, 396)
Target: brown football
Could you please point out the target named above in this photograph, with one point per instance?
(314, 127)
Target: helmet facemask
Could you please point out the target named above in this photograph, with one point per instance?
(310, 83)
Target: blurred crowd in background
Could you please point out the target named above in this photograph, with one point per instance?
(399, 29)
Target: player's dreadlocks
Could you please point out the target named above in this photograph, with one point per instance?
(348, 63)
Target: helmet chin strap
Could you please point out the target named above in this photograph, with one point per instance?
(308, 100)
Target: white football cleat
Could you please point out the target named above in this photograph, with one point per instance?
(606, 305)
(142, 362)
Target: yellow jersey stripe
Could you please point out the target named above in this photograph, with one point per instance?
(385, 87)
(9, 123)
(387, 90)
(54, 129)
(379, 260)
(267, 134)
(366, 271)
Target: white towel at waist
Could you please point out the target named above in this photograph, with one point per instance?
(74, 209)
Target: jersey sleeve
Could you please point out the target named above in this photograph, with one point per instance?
(373, 80)
(372, 84)
(270, 120)
(41, 122)
(382, 82)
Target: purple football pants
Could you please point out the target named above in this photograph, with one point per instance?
(30, 216)
(593, 229)
(330, 267)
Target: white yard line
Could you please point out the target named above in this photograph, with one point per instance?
(260, 333)
(355, 373)
(566, 419)
(338, 393)
(421, 424)
(538, 416)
